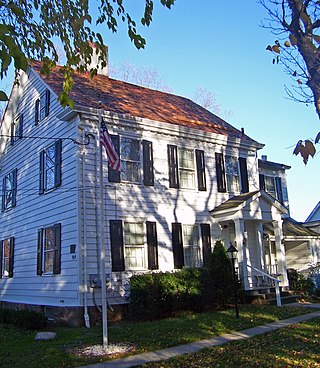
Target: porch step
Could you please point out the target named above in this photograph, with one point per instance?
(263, 298)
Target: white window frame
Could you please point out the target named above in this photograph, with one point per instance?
(9, 191)
(232, 173)
(187, 168)
(50, 244)
(191, 249)
(128, 161)
(5, 259)
(268, 185)
(135, 242)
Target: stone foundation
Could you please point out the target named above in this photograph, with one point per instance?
(71, 316)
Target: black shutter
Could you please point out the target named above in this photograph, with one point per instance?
(148, 176)
(14, 187)
(47, 107)
(11, 257)
(41, 172)
(173, 166)
(3, 204)
(220, 171)
(12, 137)
(57, 249)
(40, 252)
(116, 242)
(177, 245)
(152, 244)
(114, 175)
(1, 254)
(201, 170)
(279, 189)
(58, 162)
(20, 126)
(206, 242)
(262, 184)
(36, 112)
(244, 175)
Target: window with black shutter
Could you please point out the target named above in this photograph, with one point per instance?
(152, 244)
(220, 172)
(9, 190)
(201, 172)
(206, 242)
(50, 163)
(42, 107)
(7, 257)
(177, 245)
(49, 250)
(117, 246)
(244, 175)
(148, 175)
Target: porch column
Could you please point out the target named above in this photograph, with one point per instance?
(260, 244)
(281, 253)
(242, 252)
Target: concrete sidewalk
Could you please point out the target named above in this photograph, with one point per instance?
(154, 356)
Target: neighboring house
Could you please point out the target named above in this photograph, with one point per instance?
(187, 179)
(313, 220)
(301, 241)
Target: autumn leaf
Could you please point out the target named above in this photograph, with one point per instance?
(299, 82)
(297, 149)
(309, 146)
(287, 44)
(276, 49)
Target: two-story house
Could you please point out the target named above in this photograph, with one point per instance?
(187, 179)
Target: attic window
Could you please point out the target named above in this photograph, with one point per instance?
(42, 107)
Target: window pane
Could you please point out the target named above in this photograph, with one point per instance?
(48, 262)
(48, 250)
(270, 185)
(134, 240)
(186, 159)
(130, 160)
(232, 174)
(42, 106)
(8, 190)
(6, 255)
(187, 179)
(49, 239)
(50, 159)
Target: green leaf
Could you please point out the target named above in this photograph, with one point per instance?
(3, 96)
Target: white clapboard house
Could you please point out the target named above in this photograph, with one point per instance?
(187, 179)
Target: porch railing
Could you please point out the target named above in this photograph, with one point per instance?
(276, 283)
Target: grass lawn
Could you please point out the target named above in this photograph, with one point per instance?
(294, 346)
(19, 349)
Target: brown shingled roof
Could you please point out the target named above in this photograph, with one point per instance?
(125, 98)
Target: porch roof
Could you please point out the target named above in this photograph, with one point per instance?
(256, 205)
(291, 227)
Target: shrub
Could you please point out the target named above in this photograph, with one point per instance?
(159, 295)
(23, 319)
(217, 279)
(298, 282)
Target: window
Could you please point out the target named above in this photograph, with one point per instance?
(191, 246)
(6, 257)
(232, 174)
(49, 250)
(186, 246)
(130, 248)
(272, 185)
(136, 161)
(42, 107)
(134, 243)
(17, 129)
(50, 167)
(185, 166)
(9, 190)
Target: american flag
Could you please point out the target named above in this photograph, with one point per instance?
(106, 142)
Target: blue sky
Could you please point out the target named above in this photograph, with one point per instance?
(220, 45)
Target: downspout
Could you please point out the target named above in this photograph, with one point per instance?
(85, 282)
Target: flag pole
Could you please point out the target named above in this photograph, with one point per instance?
(102, 244)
